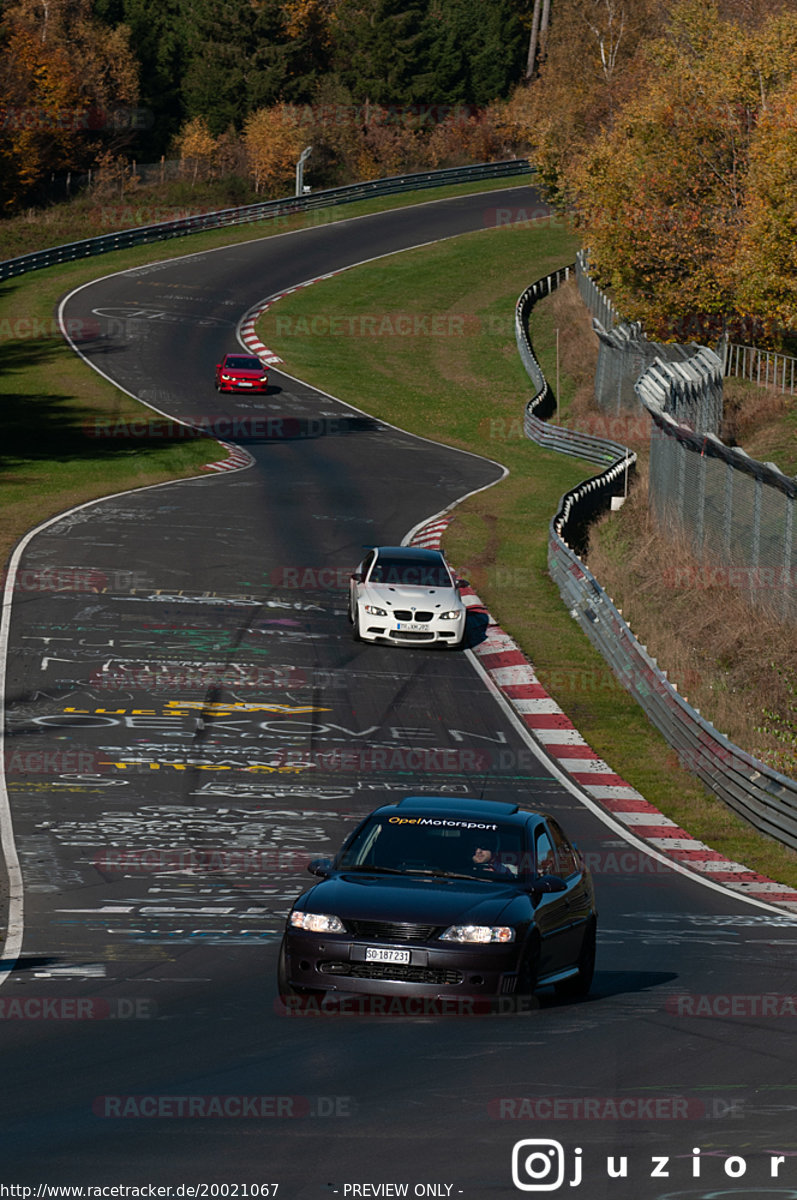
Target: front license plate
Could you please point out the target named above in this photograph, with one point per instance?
(244, 383)
(377, 954)
(412, 627)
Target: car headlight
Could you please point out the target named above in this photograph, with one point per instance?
(316, 922)
(227, 378)
(478, 933)
(374, 611)
(450, 616)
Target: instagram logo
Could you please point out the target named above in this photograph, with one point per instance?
(538, 1165)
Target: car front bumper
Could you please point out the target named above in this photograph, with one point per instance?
(339, 964)
(234, 385)
(376, 629)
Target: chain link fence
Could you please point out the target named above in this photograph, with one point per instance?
(738, 513)
(624, 352)
(764, 797)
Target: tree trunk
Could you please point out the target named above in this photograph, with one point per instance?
(535, 30)
(546, 13)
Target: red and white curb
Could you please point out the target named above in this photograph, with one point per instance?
(246, 329)
(513, 674)
(238, 459)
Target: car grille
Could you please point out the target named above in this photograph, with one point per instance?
(407, 636)
(392, 971)
(404, 614)
(388, 931)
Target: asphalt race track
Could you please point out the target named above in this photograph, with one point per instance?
(189, 721)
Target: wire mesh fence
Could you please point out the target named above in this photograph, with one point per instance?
(698, 474)
(738, 513)
(624, 353)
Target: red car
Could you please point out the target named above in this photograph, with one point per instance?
(241, 373)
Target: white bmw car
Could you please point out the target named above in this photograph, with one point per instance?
(407, 595)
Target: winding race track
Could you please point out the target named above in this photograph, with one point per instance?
(189, 721)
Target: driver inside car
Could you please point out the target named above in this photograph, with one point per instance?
(485, 858)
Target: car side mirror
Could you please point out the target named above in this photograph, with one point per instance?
(357, 576)
(320, 866)
(462, 583)
(545, 884)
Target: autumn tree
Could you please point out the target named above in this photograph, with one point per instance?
(196, 146)
(766, 263)
(590, 67)
(68, 86)
(274, 139)
(661, 195)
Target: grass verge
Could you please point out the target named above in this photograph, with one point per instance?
(465, 387)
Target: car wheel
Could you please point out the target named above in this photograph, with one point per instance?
(355, 625)
(579, 985)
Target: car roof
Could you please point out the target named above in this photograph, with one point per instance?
(465, 806)
(412, 553)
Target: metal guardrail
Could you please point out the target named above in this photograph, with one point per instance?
(266, 210)
(762, 796)
(764, 367)
(601, 451)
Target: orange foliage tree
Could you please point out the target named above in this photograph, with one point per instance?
(661, 195)
(68, 83)
(274, 140)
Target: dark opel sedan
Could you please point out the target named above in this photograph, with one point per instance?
(445, 897)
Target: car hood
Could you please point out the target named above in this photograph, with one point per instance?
(423, 899)
(244, 373)
(392, 595)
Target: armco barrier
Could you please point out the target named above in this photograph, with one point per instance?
(759, 794)
(266, 210)
(595, 495)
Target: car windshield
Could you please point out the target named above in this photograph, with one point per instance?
(239, 363)
(410, 572)
(431, 844)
